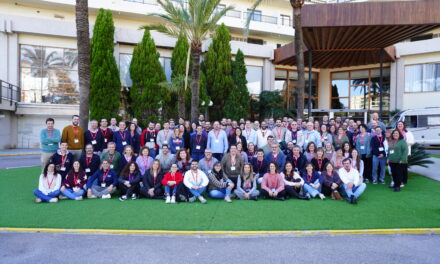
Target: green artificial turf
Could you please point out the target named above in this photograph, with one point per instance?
(418, 205)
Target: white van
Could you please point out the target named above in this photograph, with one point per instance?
(424, 123)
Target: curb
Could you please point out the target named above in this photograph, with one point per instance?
(229, 233)
(21, 154)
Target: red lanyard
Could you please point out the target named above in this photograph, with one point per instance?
(209, 163)
(295, 160)
(362, 138)
(93, 134)
(394, 142)
(274, 157)
(166, 134)
(75, 131)
(173, 176)
(330, 175)
(233, 160)
(279, 131)
(50, 133)
(308, 135)
(309, 177)
(145, 162)
(273, 180)
(152, 133)
(123, 135)
(88, 160)
(50, 183)
(112, 158)
(154, 178)
(216, 133)
(380, 139)
(319, 164)
(104, 176)
(339, 139)
(195, 178)
(248, 133)
(75, 178)
(198, 139)
(63, 159)
(104, 132)
(294, 134)
(130, 176)
(263, 133)
(260, 166)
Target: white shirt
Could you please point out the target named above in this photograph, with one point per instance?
(192, 179)
(352, 176)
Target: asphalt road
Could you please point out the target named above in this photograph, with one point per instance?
(82, 248)
(19, 161)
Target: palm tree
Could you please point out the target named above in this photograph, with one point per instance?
(83, 43)
(195, 19)
(299, 49)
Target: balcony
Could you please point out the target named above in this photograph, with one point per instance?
(9, 95)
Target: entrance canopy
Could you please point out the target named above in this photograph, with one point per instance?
(351, 34)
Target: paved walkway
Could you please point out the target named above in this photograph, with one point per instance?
(433, 171)
(13, 152)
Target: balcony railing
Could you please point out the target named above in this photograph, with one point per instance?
(9, 92)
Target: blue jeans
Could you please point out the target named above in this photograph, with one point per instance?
(169, 189)
(309, 189)
(356, 191)
(376, 162)
(198, 192)
(197, 156)
(72, 195)
(44, 197)
(220, 193)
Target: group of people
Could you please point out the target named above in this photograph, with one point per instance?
(183, 162)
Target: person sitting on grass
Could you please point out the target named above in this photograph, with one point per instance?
(63, 160)
(297, 159)
(129, 181)
(183, 160)
(220, 187)
(196, 181)
(49, 185)
(332, 185)
(107, 179)
(127, 157)
(247, 184)
(352, 183)
(312, 182)
(151, 182)
(338, 158)
(172, 182)
(73, 184)
(293, 182)
(272, 186)
(319, 161)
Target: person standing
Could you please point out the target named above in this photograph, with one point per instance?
(149, 138)
(62, 159)
(74, 136)
(295, 135)
(106, 132)
(113, 125)
(164, 135)
(363, 146)
(379, 148)
(397, 158)
(49, 185)
(262, 135)
(217, 141)
(249, 133)
(50, 138)
(94, 137)
(279, 133)
(409, 139)
(135, 138)
(311, 135)
(121, 137)
(198, 143)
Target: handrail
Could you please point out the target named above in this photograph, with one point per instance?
(9, 92)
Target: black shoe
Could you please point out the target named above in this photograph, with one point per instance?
(280, 198)
(303, 197)
(353, 199)
(396, 189)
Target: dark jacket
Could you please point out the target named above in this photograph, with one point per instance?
(260, 167)
(57, 159)
(135, 142)
(123, 161)
(329, 180)
(315, 163)
(107, 135)
(92, 164)
(233, 141)
(198, 140)
(315, 176)
(112, 178)
(69, 181)
(149, 182)
(96, 139)
(121, 137)
(298, 164)
(376, 144)
(132, 179)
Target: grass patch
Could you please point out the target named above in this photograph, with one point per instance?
(435, 156)
(418, 205)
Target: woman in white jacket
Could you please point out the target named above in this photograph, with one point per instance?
(49, 185)
(409, 138)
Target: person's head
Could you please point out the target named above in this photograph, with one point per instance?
(346, 163)
(49, 168)
(341, 131)
(89, 149)
(194, 126)
(239, 147)
(296, 150)
(316, 125)
(263, 125)
(375, 116)
(113, 121)
(248, 124)
(234, 123)
(278, 123)
(328, 146)
(201, 117)
(346, 147)
(288, 168)
(194, 165)
(182, 155)
(217, 167)
(311, 119)
(339, 152)
(319, 153)
(338, 119)
(132, 127)
(165, 149)
(166, 125)
(208, 125)
(156, 165)
(76, 166)
(181, 129)
(332, 129)
(309, 167)
(63, 146)
(111, 146)
(172, 123)
(247, 169)
(216, 125)
(260, 154)
(176, 132)
(329, 167)
(208, 154)
(294, 125)
(309, 126)
(50, 122)
(151, 126)
(233, 150)
(93, 124)
(145, 152)
(199, 130)
(332, 121)
(373, 123)
(181, 121)
(105, 165)
(311, 147)
(132, 167)
(323, 129)
(354, 154)
(271, 121)
(378, 131)
(75, 120)
(157, 126)
(174, 167)
(275, 148)
(128, 150)
(290, 145)
(251, 147)
(273, 167)
(363, 128)
(270, 140)
(401, 126)
(122, 125)
(396, 135)
(134, 121)
(237, 131)
(104, 122)
(325, 119)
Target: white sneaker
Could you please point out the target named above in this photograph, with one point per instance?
(173, 199)
(228, 199)
(62, 197)
(192, 199)
(168, 200)
(106, 196)
(322, 196)
(79, 198)
(53, 200)
(38, 200)
(133, 196)
(202, 200)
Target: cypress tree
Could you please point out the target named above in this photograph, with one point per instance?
(147, 96)
(218, 72)
(105, 85)
(237, 103)
(203, 95)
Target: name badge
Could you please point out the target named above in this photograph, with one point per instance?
(392, 151)
(209, 171)
(362, 147)
(165, 142)
(325, 138)
(217, 141)
(103, 184)
(279, 140)
(76, 140)
(381, 149)
(294, 141)
(111, 166)
(87, 170)
(105, 140)
(93, 142)
(50, 144)
(151, 139)
(273, 190)
(63, 169)
(124, 143)
(177, 148)
(233, 168)
(197, 147)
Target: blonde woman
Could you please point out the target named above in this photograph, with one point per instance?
(247, 184)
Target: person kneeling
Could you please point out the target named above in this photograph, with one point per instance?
(353, 185)
(247, 184)
(129, 181)
(272, 186)
(196, 181)
(73, 184)
(220, 187)
(172, 180)
(106, 180)
(49, 185)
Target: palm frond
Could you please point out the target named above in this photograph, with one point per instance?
(249, 16)
(419, 157)
(176, 85)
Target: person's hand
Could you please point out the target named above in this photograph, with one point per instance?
(151, 192)
(127, 183)
(231, 185)
(110, 188)
(246, 196)
(196, 187)
(63, 189)
(75, 189)
(89, 193)
(380, 156)
(334, 186)
(275, 194)
(350, 185)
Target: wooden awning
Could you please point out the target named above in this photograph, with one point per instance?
(351, 34)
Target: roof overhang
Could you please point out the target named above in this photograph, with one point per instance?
(351, 34)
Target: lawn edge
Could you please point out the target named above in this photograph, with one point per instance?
(298, 233)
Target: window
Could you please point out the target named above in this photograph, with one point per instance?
(434, 120)
(124, 68)
(285, 20)
(422, 78)
(255, 41)
(166, 65)
(254, 77)
(422, 37)
(411, 121)
(256, 16)
(49, 75)
(359, 90)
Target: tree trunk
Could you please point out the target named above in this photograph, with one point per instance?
(181, 104)
(83, 43)
(196, 49)
(299, 52)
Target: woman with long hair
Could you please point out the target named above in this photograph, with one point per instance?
(340, 138)
(409, 139)
(357, 163)
(272, 186)
(151, 182)
(220, 187)
(319, 161)
(49, 185)
(74, 183)
(346, 149)
(144, 160)
(237, 137)
(397, 158)
(135, 138)
(293, 182)
(329, 151)
(312, 182)
(247, 184)
(363, 146)
(332, 185)
(177, 142)
(338, 158)
(129, 181)
(242, 153)
(127, 157)
(183, 160)
(310, 151)
(251, 152)
(326, 137)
